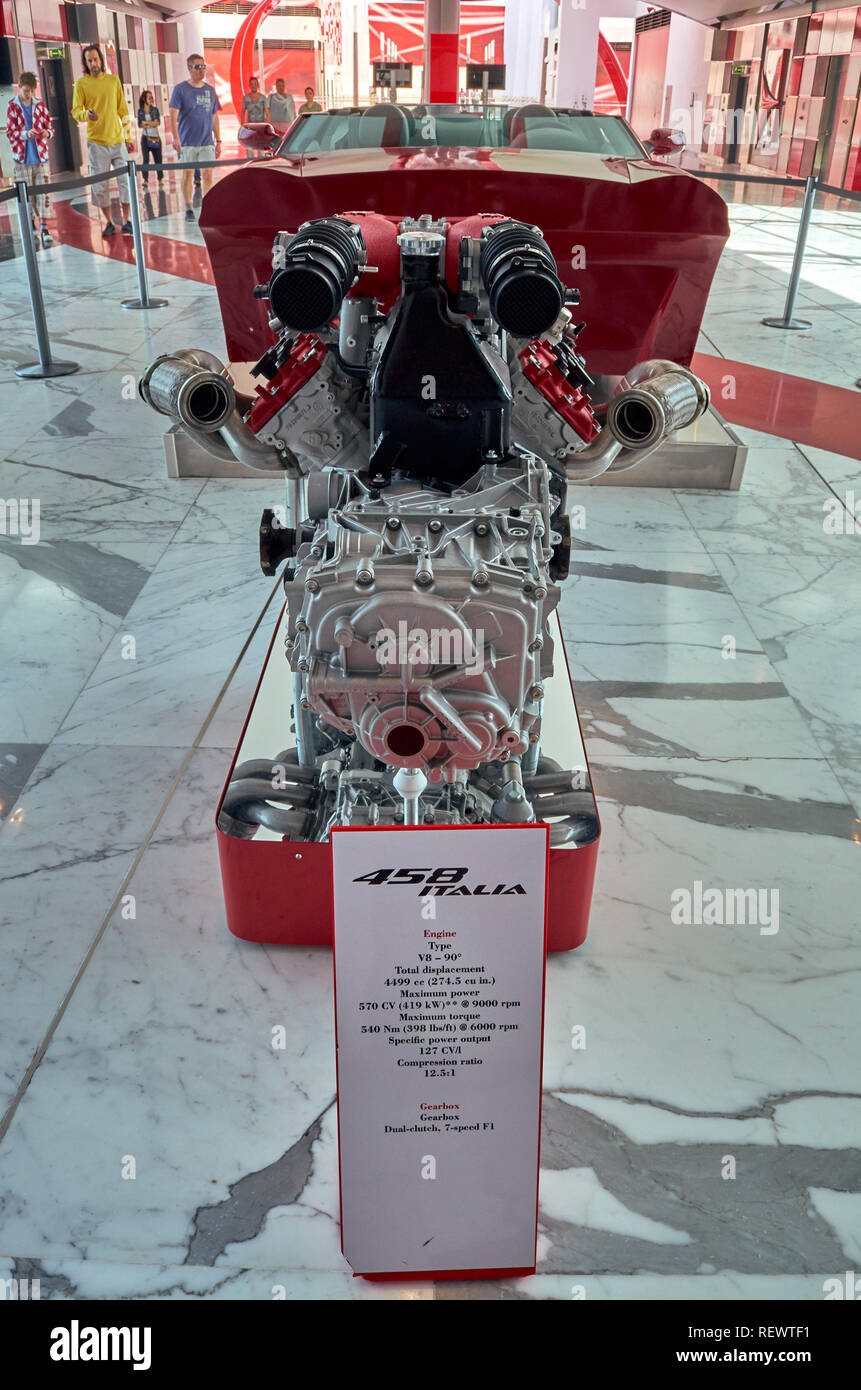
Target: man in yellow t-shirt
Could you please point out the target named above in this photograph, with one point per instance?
(99, 100)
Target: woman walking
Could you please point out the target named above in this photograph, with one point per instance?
(149, 121)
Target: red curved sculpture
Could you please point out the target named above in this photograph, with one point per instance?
(615, 71)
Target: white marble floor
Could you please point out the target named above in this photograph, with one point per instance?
(751, 285)
(715, 647)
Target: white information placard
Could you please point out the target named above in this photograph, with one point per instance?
(439, 998)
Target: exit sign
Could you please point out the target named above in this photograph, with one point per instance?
(741, 69)
(52, 53)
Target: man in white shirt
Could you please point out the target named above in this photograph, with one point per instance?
(282, 107)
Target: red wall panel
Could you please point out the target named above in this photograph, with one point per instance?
(650, 67)
(167, 36)
(845, 28)
(296, 65)
(47, 23)
(794, 78)
(443, 67)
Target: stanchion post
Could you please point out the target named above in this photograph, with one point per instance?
(46, 366)
(144, 302)
(800, 242)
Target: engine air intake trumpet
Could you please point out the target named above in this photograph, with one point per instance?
(319, 264)
(519, 274)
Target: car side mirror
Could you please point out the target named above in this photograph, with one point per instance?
(260, 136)
(664, 141)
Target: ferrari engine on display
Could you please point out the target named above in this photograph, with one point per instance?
(427, 403)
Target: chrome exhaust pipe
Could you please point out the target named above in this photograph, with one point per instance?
(655, 400)
(660, 398)
(245, 445)
(192, 388)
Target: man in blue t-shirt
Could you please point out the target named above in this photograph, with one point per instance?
(194, 124)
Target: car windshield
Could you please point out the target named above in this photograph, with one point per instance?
(495, 127)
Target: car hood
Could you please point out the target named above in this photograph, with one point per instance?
(640, 240)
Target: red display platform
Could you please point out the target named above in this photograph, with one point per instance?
(278, 892)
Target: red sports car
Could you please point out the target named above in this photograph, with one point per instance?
(638, 238)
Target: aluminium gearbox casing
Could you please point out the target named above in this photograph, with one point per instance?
(279, 891)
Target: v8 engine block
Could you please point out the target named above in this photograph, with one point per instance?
(425, 398)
